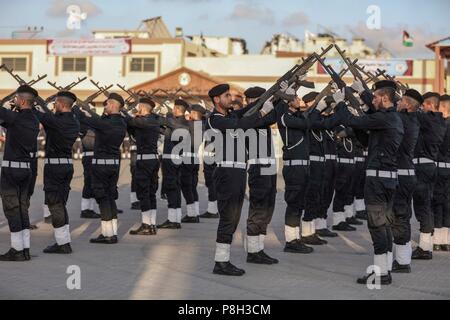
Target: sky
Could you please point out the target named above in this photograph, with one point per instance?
(254, 20)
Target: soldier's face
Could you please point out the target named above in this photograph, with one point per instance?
(225, 100)
(195, 116)
(112, 106)
(377, 100)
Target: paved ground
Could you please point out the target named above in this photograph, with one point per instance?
(178, 264)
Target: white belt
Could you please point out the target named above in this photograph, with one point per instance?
(190, 154)
(88, 154)
(406, 172)
(346, 160)
(106, 161)
(15, 164)
(209, 154)
(365, 153)
(58, 161)
(330, 157)
(445, 165)
(147, 157)
(263, 161)
(316, 159)
(360, 159)
(171, 156)
(381, 174)
(422, 161)
(296, 162)
(232, 164)
(133, 148)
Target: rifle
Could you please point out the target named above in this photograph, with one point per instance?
(131, 96)
(291, 76)
(59, 88)
(341, 85)
(351, 67)
(93, 96)
(161, 102)
(99, 87)
(400, 85)
(196, 98)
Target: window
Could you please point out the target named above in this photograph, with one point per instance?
(17, 64)
(74, 65)
(142, 65)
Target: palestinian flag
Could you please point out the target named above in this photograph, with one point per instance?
(407, 40)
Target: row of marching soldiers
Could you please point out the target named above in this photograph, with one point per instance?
(377, 163)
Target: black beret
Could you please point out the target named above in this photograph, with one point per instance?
(198, 108)
(218, 90)
(117, 97)
(414, 94)
(445, 97)
(27, 89)
(309, 97)
(147, 101)
(67, 94)
(431, 95)
(181, 102)
(254, 92)
(384, 84)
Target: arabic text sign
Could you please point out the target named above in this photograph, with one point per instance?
(394, 67)
(91, 47)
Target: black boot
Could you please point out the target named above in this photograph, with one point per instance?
(420, 254)
(227, 269)
(13, 255)
(89, 214)
(361, 215)
(274, 261)
(344, 226)
(187, 219)
(144, 230)
(258, 258)
(104, 240)
(208, 215)
(163, 196)
(436, 247)
(136, 205)
(313, 240)
(169, 225)
(119, 211)
(63, 249)
(354, 221)
(48, 220)
(296, 246)
(445, 247)
(367, 279)
(400, 268)
(26, 253)
(326, 233)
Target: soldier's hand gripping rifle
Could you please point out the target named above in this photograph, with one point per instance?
(133, 97)
(93, 96)
(352, 67)
(341, 85)
(161, 102)
(292, 76)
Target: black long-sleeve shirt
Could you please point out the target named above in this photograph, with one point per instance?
(146, 133)
(444, 150)
(405, 153)
(431, 136)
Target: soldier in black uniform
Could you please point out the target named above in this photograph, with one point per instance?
(145, 127)
(262, 182)
(134, 201)
(359, 180)
(386, 134)
(230, 174)
(171, 165)
(401, 227)
(21, 135)
(431, 136)
(87, 196)
(441, 196)
(62, 129)
(110, 130)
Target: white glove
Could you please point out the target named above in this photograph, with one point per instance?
(87, 114)
(291, 91)
(203, 104)
(358, 86)
(339, 95)
(39, 108)
(284, 86)
(302, 77)
(267, 107)
(322, 105)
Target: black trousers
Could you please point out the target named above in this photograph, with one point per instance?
(359, 179)
(295, 180)
(57, 178)
(208, 170)
(314, 191)
(230, 187)
(104, 185)
(401, 226)
(171, 182)
(441, 199)
(262, 191)
(328, 187)
(34, 173)
(195, 181)
(14, 188)
(379, 198)
(343, 195)
(146, 177)
(187, 182)
(422, 197)
(133, 158)
(87, 193)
